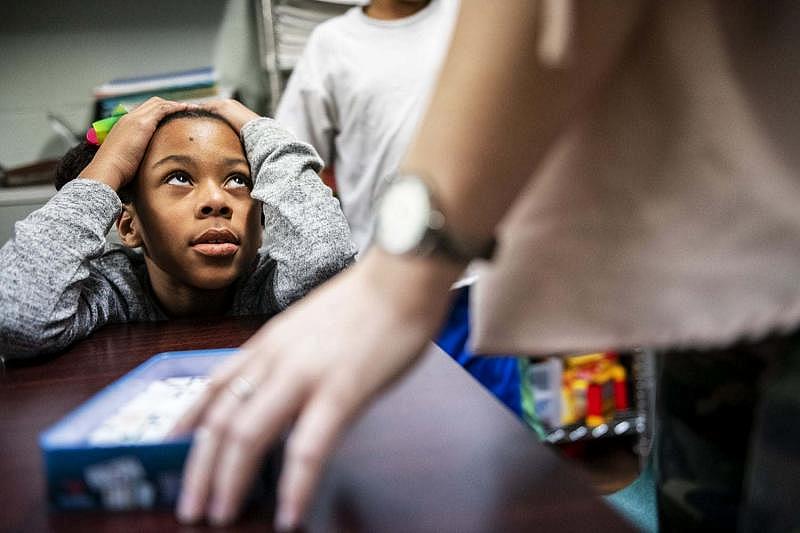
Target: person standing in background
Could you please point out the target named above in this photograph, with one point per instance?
(359, 90)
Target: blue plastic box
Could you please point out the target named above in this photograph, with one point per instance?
(123, 477)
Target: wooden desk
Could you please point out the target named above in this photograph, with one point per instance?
(436, 453)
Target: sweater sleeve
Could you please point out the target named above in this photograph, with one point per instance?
(50, 294)
(306, 232)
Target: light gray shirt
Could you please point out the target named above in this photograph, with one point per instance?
(357, 94)
(60, 280)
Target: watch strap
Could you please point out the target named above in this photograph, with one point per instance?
(462, 251)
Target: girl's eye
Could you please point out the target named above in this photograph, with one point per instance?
(178, 178)
(237, 181)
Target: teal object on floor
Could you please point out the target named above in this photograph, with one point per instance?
(637, 501)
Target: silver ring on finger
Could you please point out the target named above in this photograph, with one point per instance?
(241, 388)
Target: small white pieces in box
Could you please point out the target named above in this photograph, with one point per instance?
(150, 415)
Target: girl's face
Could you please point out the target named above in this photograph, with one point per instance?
(198, 225)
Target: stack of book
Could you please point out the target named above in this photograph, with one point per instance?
(194, 85)
(294, 20)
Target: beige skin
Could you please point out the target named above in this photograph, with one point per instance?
(193, 176)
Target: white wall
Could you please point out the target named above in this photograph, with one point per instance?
(54, 53)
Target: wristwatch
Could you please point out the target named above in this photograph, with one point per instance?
(409, 222)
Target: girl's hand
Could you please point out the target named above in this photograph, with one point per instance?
(234, 112)
(316, 365)
(118, 158)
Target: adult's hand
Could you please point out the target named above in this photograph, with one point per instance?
(234, 112)
(118, 158)
(316, 364)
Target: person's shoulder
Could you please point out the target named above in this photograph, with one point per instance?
(333, 28)
(122, 273)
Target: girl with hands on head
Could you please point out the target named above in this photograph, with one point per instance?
(191, 191)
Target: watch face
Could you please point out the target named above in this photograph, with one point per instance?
(403, 215)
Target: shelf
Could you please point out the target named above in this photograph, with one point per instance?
(26, 195)
(283, 30)
(626, 423)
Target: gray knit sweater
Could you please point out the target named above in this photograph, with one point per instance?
(60, 280)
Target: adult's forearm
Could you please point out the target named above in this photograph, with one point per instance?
(517, 74)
